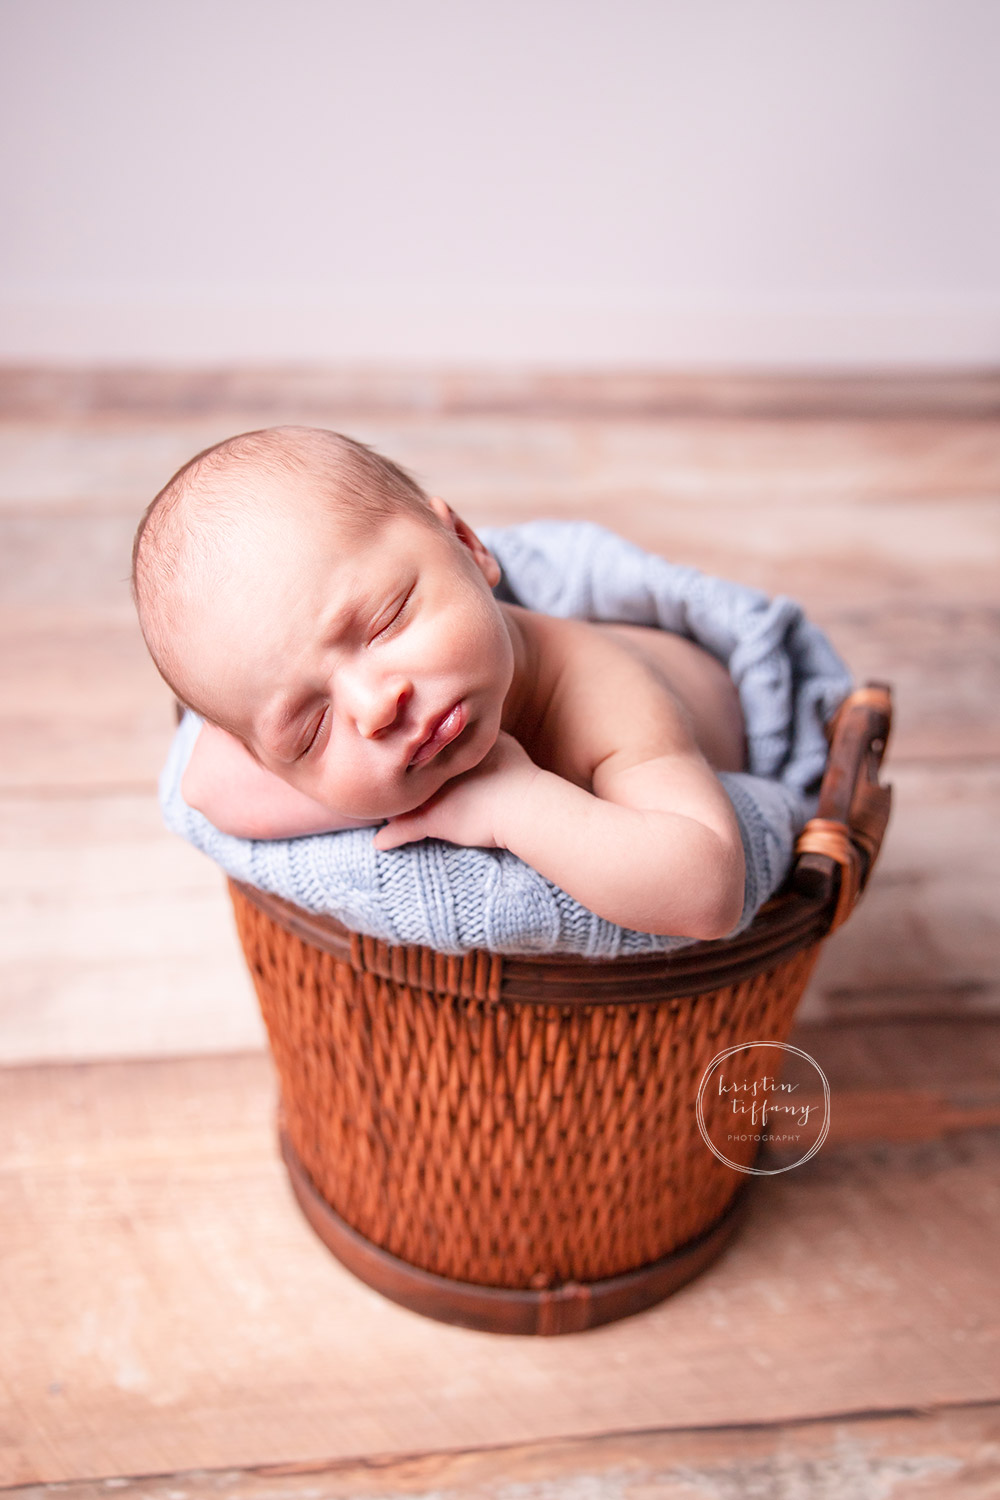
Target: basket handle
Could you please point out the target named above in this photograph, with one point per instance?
(846, 834)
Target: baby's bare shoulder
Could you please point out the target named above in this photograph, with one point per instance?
(606, 699)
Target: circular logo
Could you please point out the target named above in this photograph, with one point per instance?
(762, 1092)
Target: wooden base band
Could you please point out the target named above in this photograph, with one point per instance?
(569, 1308)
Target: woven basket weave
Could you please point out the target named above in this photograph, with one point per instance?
(511, 1143)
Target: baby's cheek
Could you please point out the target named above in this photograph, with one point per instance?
(357, 795)
(347, 800)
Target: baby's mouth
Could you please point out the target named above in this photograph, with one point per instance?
(447, 727)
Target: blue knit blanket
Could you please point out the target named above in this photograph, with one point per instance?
(789, 678)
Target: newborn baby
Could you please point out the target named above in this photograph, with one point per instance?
(337, 630)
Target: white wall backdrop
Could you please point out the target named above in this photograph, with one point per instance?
(810, 183)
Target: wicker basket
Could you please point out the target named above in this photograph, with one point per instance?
(511, 1143)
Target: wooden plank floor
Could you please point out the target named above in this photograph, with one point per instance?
(163, 1308)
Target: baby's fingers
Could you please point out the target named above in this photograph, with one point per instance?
(401, 830)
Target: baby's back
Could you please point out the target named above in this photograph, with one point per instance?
(699, 682)
(621, 689)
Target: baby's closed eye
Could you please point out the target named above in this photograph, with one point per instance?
(314, 737)
(393, 617)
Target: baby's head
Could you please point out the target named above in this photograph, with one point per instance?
(304, 593)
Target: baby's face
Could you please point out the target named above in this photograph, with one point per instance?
(366, 673)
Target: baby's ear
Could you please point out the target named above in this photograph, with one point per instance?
(484, 559)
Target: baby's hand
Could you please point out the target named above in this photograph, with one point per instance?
(468, 810)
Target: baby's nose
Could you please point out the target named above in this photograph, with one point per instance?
(380, 706)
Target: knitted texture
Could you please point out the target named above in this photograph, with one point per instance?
(438, 895)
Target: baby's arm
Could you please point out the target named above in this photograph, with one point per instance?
(655, 847)
(241, 797)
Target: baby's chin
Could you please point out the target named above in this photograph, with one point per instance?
(430, 786)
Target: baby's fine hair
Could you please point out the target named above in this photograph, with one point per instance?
(188, 525)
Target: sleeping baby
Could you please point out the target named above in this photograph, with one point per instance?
(343, 637)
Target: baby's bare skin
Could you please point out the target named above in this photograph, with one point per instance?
(675, 671)
(593, 687)
(376, 677)
(600, 779)
(595, 705)
(698, 682)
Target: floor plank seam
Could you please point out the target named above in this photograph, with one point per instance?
(376, 1462)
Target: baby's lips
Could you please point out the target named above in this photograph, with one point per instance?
(445, 729)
